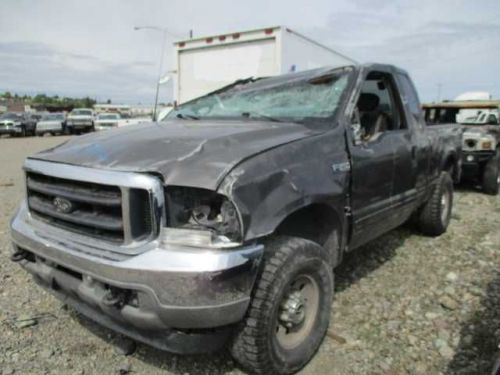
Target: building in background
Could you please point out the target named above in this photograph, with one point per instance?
(14, 105)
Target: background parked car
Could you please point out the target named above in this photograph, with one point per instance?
(106, 121)
(80, 120)
(111, 120)
(481, 138)
(17, 124)
(52, 123)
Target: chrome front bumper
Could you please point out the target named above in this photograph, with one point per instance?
(10, 129)
(49, 128)
(171, 286)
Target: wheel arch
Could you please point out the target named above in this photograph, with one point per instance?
(318, 222)
(451, 164)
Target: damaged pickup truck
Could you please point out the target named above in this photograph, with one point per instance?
(481, 138)
(223, 224)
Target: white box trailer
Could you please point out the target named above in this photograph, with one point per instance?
(207, 63)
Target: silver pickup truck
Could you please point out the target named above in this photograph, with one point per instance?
(80, 120)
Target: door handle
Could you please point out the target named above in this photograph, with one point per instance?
(413, 152)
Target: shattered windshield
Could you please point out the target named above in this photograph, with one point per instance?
(300, 97)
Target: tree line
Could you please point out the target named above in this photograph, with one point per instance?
(55, 101)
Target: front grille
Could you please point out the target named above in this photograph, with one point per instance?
(100, 211)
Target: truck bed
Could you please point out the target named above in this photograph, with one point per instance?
(446, 138)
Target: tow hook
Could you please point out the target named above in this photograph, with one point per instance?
(113, 298)
(18, 255)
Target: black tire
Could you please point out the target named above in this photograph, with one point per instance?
(435, 215)
(256, 345)
(491, 176)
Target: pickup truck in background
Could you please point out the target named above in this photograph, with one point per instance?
(80, 120)
(52, 123)
(106, 121)
(481, 138)
(18, 124)
(223, 224)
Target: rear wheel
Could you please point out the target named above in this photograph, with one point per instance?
(491, 176)
(435, 215)
(290, 309)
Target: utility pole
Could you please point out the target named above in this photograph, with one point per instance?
(164, 32)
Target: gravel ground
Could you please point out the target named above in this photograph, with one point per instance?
(405, 304)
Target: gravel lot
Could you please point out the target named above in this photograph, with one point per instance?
(405, 304)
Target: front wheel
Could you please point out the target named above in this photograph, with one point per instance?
(491, 177)
(435, 215)
(290, 309)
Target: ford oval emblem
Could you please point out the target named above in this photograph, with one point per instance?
(62, 205)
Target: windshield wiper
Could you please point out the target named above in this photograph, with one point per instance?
(261, 116)
(185, 116)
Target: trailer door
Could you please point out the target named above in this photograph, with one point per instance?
(205, 69)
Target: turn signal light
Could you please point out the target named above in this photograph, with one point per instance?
(486, 145)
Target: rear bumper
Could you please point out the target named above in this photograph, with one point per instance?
(164, 288)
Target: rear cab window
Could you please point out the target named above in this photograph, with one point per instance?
(410, 99)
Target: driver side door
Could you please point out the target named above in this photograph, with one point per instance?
(374, 157)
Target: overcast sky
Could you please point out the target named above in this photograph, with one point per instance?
(89, 47)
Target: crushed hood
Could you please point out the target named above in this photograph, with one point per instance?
(188, 153)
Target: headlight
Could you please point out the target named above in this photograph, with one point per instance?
(202, 218)
(470, 143)
(488, 143)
